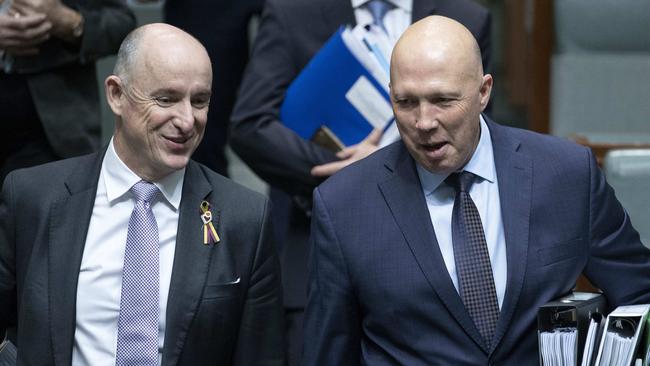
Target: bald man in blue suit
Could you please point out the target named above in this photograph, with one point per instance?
(386, 282)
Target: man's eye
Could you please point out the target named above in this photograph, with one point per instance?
(200, 103)
(164, 101)
(405, 103)
(444, 101)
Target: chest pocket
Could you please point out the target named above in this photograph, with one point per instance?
(223, 290)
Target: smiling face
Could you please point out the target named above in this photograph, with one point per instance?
(162, 109)
(438, 93)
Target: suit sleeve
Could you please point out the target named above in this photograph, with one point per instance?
(261, 333)
(332, 324)
(106, 23)
(618, 264)
(8, 309)
(273, 151)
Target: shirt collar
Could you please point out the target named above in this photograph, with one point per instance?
(403, 4)
(481, 163)
(119, 179)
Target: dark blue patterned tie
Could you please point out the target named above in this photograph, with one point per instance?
(475, 278)
(137, 330)
(378, 9)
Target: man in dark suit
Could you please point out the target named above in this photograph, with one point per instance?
(440, 248)
(48, 86)
(290, 34)
(223, 28)
(136, 254)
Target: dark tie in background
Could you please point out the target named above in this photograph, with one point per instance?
(137, 331)
(378, 9)
(475, 279)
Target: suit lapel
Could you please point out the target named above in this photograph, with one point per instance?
(421, 9)
(191, 263)
(69, 220)
(514, 173)
(403, 194)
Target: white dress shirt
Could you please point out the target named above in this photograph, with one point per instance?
(396, 19)
(485, 194)
(100, 275)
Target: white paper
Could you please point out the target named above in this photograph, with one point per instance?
(589, 343)
(369, 102)
(558, 348)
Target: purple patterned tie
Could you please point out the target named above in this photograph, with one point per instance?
(475, 278)
(137, 330)
(378, 9)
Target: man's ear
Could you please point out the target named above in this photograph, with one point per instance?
(115, 94)
(486, 90)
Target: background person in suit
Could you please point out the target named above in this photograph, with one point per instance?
(291, 32)
(223, 28)
(49, 100)
(407, 269)
(77, 294)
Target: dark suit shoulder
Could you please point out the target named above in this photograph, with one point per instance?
(463, 9)
(295, 8)
(563, 156)
(51, 174)
(365, 174)
(544, 145)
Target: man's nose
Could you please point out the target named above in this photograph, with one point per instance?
(427, 118)
(184, 115)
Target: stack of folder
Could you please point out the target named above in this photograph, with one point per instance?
(573, 330)
(563, 326)
(620, 345)
(342, 93)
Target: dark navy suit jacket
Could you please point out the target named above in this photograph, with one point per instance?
(379, 291)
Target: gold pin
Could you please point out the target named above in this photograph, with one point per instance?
(209, 233)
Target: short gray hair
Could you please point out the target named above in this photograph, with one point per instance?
(126, 55)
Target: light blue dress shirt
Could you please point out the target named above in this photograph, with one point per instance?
(485, 193)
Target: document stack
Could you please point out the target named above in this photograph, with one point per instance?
(564, 326)
(621, 343)
(342, 93)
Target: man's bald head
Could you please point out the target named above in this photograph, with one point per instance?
(151, 37)
(438, 92)
(159, 93)
(441, 39)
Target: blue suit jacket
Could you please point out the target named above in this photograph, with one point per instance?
(380, 293)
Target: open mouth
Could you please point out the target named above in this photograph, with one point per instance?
(435, 146)
(435, 150)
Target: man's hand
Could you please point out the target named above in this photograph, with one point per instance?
(21, 34)
(47, 7)
(64, 19)
(350, 154)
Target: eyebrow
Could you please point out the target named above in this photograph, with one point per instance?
(172, 91)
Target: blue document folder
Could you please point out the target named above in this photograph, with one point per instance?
(318, 95)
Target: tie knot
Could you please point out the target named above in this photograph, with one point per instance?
(378, 8)
(461, 182)
(144, 191)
